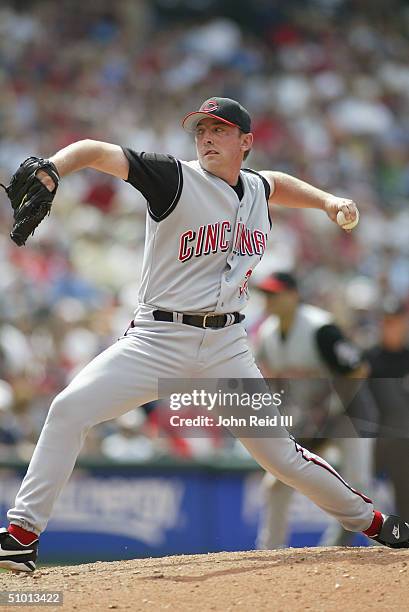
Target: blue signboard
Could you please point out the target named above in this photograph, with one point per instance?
(121, 513)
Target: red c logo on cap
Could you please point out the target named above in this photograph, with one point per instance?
(209, 107)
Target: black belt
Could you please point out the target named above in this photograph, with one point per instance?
(205, 321)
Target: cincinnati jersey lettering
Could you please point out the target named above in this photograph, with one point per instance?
(215, 237)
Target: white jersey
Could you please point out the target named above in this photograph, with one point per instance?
(200, 254)
(312, 353)
(301, 356)
(298, 353)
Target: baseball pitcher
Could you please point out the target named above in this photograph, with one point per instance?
(206, 230)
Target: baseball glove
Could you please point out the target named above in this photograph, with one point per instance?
(30, 199)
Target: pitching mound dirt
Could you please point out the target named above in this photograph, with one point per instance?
(324, 579)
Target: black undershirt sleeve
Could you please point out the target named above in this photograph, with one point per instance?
(158, 177)
(339, 353)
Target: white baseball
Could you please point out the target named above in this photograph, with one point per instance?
(347, 225)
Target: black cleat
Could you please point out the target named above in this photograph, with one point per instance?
(16, 556)
(394, 533)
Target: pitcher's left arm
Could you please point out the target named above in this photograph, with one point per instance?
(289, 191)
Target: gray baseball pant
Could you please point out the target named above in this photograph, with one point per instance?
(125, 376)
(277, 496)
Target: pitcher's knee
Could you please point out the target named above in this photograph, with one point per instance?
(67, 413)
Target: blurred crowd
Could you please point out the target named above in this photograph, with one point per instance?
(327, 85)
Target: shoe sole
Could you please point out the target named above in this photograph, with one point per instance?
(28, 566)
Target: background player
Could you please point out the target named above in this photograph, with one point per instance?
(301, 342)
(389, 370)
(206, 230)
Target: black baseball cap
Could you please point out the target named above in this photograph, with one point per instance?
(278, 282)
(226, 110)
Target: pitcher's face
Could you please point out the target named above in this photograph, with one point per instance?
(220, 145)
